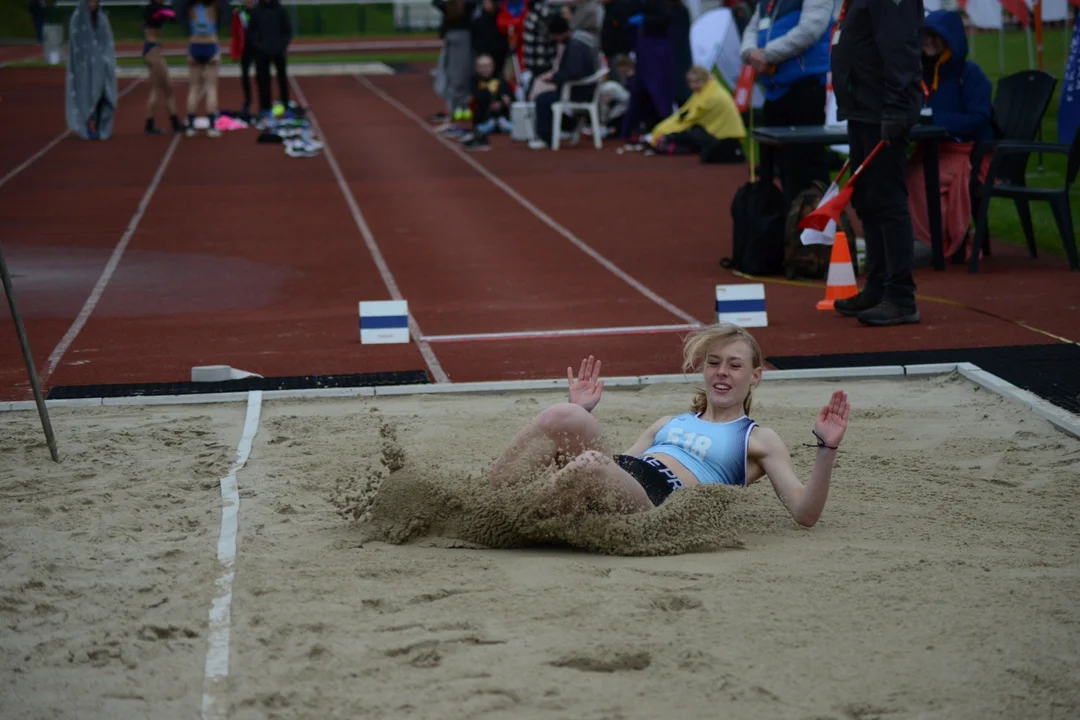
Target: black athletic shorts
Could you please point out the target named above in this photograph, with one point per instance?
(651, 474)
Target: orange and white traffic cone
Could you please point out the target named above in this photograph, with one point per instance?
(840, 284)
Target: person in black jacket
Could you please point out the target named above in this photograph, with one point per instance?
(877, 74)
(269, 33)
(578, 61)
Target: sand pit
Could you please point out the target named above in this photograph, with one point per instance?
(941, 582)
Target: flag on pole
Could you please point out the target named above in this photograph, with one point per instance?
(811, 236)
(828, 212)
(744, 88)
(1069, 102)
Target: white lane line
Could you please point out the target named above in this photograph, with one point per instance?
(540, 214)
(539, 334)
(214, 705)
(369, 239)
(110, 267)
(53, 143)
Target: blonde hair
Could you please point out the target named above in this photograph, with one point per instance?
(699, 73)
(696, 347)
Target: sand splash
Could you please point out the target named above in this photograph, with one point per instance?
(398, 502)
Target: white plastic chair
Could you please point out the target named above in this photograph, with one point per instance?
(566, 106)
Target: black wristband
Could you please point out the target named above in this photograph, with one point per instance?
(821, 443)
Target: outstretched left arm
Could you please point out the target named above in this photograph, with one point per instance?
(804, 502)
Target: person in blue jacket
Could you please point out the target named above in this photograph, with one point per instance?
(787, 43)
(959, 97)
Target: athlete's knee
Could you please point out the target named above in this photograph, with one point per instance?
(568, 419)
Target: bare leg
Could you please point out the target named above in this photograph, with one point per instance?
(556, 435)
(194, 90)
(155, 83)
(592, 482)
(210, 82)
(166, 87)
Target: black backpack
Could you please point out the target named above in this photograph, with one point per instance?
(758, 216)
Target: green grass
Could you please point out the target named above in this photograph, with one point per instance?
(341, 21)
(1004, 223)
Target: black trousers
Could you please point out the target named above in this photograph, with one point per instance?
(247, 59)
(712, 150)
(262, 76)
(880, 199)
(799, 165)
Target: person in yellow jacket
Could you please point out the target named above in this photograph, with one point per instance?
(708, 123)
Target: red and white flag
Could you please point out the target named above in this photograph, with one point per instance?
(826, 236)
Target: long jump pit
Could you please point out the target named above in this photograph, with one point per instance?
(344, 558)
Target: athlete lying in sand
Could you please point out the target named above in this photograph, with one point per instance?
(716, 443)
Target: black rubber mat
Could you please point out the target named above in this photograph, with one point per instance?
(299, 382)
(1050, 371)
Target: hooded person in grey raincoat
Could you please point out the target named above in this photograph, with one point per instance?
(91, 73)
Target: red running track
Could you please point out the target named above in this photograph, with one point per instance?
(249, 258)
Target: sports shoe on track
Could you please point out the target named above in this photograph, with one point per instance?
(477, 142)
(299, 147)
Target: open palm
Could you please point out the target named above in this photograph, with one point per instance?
(586, 388)
(832, 420)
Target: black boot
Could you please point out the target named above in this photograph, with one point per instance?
(889, 313)
(151, 129)
(850, 307)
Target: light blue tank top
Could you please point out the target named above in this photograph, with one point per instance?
(202, 24)
(714, 452)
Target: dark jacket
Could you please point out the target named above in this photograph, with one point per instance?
(458, 22)
(617, 35)
(962, 100)
(877, 61)
(486, 38)
(578, 61)
(269, 30)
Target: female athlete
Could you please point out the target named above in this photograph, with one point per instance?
(716, 442)
(155, 15)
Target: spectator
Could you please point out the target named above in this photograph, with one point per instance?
(243, 51)
(615, 94)
(616, 34)
(539, 49)
(588, 16)
(682, 55)
(787, 43)
(877, 70)
(511, 23)
(486, 38)
(652, 93)
(91, 73)
(270, 32)
(960, 97)
(491, 99)
(578, 61)
(455, 61)
(708, 123)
